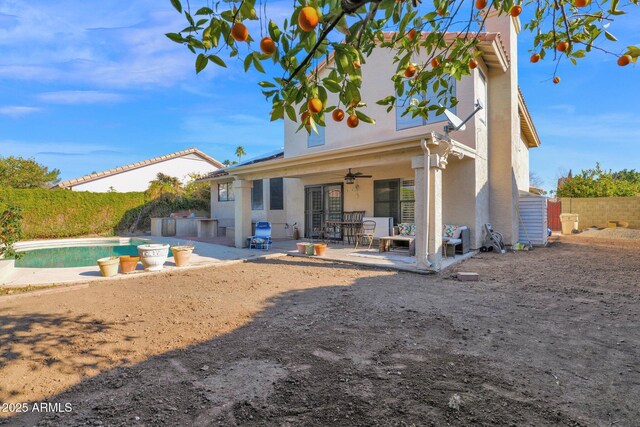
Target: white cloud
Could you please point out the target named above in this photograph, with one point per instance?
(81, 97)
(17, 111)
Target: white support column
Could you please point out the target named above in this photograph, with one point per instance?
(435, 211)
(242, 192)
(422, 217)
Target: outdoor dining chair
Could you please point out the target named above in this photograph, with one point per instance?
(366, 233)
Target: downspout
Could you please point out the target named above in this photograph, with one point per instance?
(427, 166)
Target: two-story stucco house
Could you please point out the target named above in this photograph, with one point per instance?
(418, 175)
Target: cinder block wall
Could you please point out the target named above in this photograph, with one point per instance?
(600, 210)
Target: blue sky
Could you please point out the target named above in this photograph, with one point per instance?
(88, 86)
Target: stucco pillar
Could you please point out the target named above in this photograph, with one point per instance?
(421, 219)
(242, 192)
(434, 250)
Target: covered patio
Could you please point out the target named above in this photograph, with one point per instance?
(317, 192)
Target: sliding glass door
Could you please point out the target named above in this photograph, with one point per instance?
(321, 203)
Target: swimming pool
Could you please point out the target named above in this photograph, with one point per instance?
(81, 254)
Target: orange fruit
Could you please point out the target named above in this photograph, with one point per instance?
(267, 46)
(435, 62)
(239, 32)
(412, 34)
(516, 10)
(562, 46)
(473, 64)
(353, 121)
(338, 115)
(314, 105)
(308, 19)
(535, 58)
(581, 3)
(410, 71)
(481, 4)
(624, 60)
(556, 80)
(306, 119)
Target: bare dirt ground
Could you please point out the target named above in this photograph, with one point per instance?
(548, 337)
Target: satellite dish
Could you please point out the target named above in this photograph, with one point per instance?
(456, 123)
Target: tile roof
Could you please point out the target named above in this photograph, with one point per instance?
(120, 169)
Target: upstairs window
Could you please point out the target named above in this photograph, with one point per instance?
(407, 121)
(316, 139)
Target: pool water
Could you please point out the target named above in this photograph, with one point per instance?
(75, 256)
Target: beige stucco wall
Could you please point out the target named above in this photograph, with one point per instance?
(521, 165)
(139, 179)
(599, 211)
(377, 85)
(224, 212)
(504, 137)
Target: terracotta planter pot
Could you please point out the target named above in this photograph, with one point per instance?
(320, 248)
(108, 266)
(302, 247)
(128, 263)
(309, 250)
(181, 255)
(153, 256)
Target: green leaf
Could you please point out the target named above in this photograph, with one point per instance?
(256, 62)
(175, 37)
(291, 113)
(610, 36)
(217, 60)
(201, 62)
(177, 5)
(247, 62)
(364, 117)
(331, 85)
(266, 84)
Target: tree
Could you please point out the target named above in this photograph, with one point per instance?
(445, 33)
(164, 186)
(18, 172)
(10, 232)
(597, 182)
(228, 163)
(240, 152)
(195, 189)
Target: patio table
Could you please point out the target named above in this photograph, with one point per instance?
(342, 229)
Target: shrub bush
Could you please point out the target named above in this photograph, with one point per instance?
(62, 213)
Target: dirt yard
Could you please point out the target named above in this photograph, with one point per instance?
(548, 337)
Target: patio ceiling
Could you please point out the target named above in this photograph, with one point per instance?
(338, 160)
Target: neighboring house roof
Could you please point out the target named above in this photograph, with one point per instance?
(526, 123)
(137, 165)
(272, 155)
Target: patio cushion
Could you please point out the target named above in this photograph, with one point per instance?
(406, 229)
(259, 241)
(452, 231)
(452, 241)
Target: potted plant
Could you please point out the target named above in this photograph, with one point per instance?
(108, 266)
(320, 248)
(302, 247)
(181, 254)
(128, 263)
(309, 249)
(153, 256)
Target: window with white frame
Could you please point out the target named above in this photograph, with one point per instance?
(225, 192)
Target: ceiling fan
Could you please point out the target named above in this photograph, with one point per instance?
(350, 177)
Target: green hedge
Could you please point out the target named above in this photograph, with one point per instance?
(63, 213)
